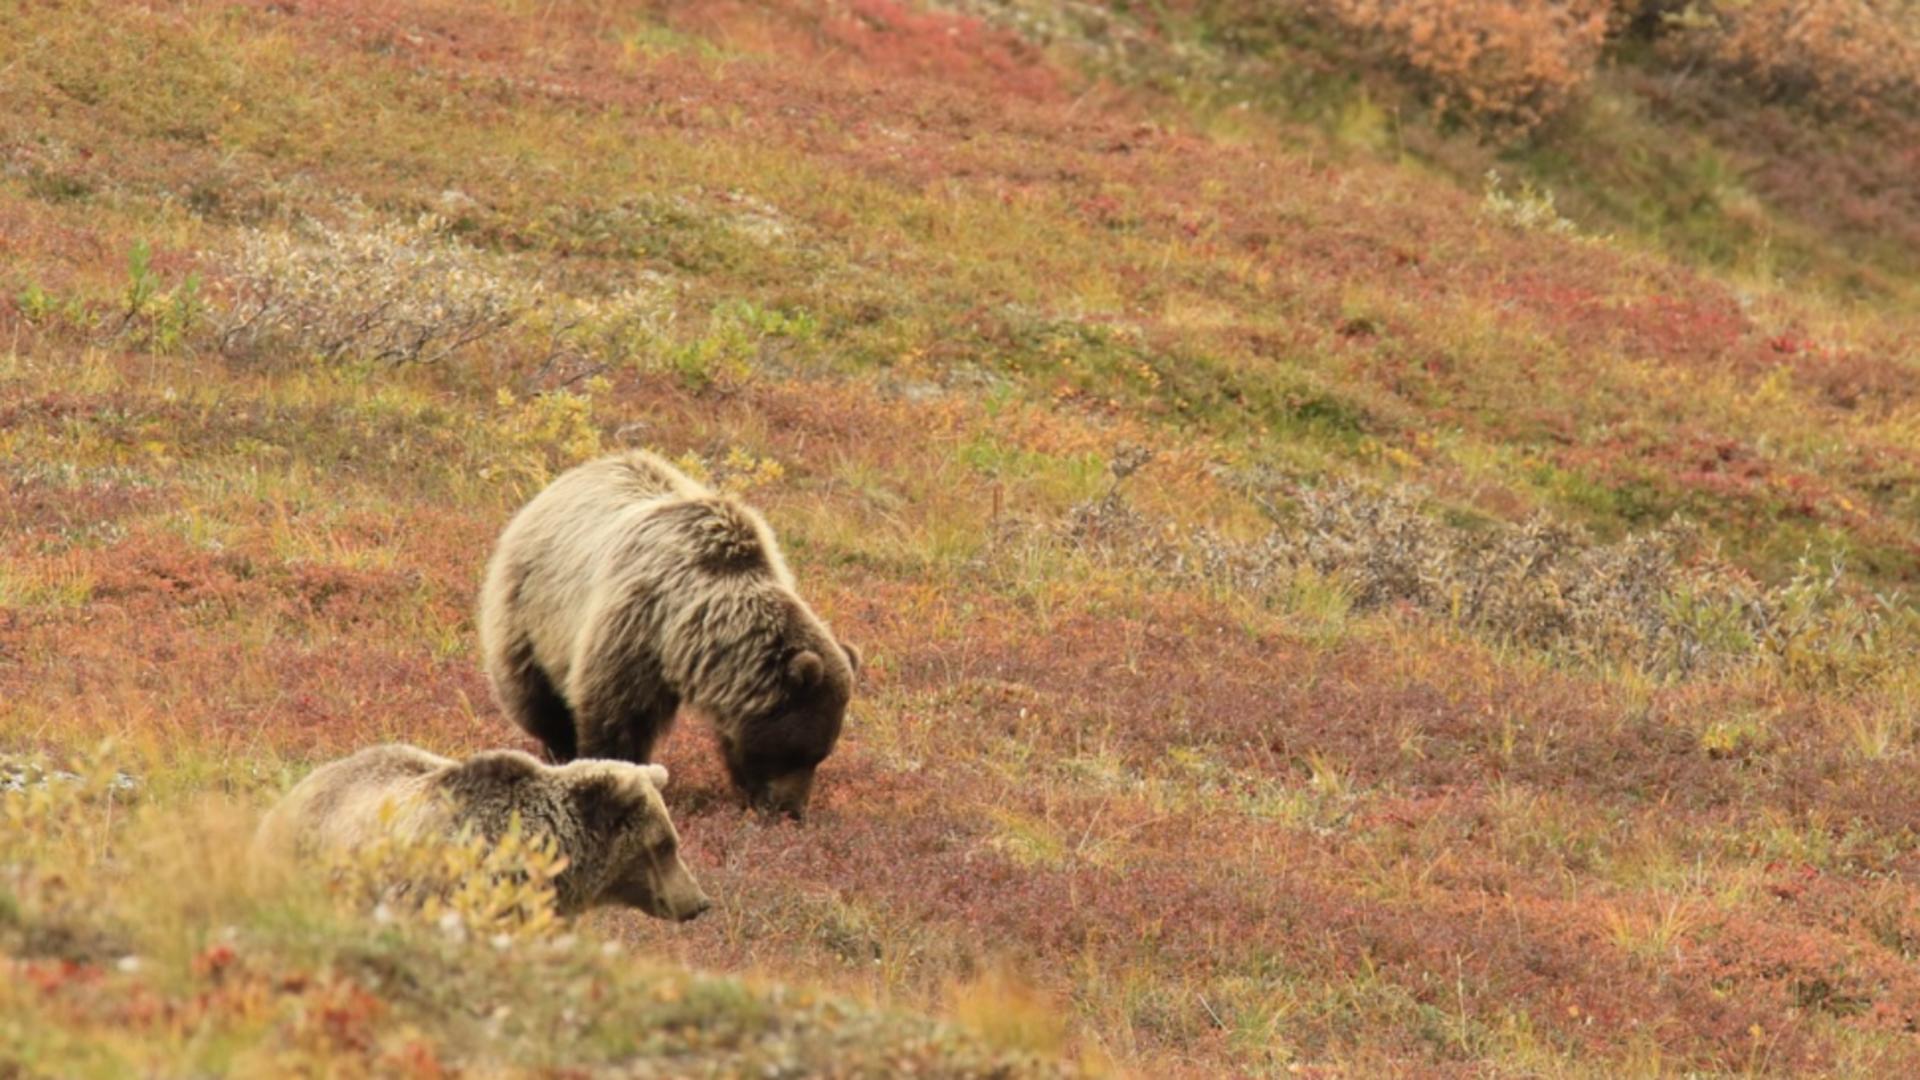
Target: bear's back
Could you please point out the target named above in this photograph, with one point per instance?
(340, 804)
(646, 475)
(585, 520)
(611, 529)
(620, 481)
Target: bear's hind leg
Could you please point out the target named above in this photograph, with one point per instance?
(530, 698)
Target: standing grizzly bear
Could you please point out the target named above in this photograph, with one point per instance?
(606, 817)
(626, 590)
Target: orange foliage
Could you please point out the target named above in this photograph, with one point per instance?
(1842, 55)
(1508, 60)
(1518, 63)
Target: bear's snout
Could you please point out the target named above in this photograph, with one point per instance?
(678, 896)
(786, 795)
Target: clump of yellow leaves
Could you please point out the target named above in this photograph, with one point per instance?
(466, 883)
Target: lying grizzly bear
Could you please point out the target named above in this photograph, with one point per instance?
(606, 817)
(626, 590)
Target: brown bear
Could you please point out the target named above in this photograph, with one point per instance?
(626, 590)
(606, 817)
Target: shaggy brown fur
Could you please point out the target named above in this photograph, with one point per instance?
(605, 816)
(626, 590)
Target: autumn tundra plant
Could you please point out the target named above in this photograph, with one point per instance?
(384, 293)
(1855, 57)
(132, 942)
(1245, 771)
(1507, 61)
(1528, 207)
(48, 806)
(464, 883)
(1660, 600)
(152, 311)
(589, 336)
(1518, 64)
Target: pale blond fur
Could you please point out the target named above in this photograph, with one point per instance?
(606, 817)
(626, 590)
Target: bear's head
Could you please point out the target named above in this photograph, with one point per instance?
(772, 754)
(630, 836)
(608, 819)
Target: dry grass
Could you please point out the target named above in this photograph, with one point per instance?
(383, 294)
(128, 916)
(1656, 600)
(1282, 651)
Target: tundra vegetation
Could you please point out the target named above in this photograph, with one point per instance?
(1381, 534)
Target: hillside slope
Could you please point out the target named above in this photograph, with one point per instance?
(1320, 615)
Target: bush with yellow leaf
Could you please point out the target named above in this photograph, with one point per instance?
(466, 883)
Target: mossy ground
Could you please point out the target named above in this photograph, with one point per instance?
(916, 285)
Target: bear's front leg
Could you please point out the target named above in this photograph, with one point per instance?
(621, 704)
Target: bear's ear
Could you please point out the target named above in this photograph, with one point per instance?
(853, 656)
(806, 668)
(600, 803)
(655, 774)
(503, 767)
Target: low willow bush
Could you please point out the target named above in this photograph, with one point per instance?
(1661, 601)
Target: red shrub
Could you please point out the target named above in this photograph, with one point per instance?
(1510, 61)
(1856, 56)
